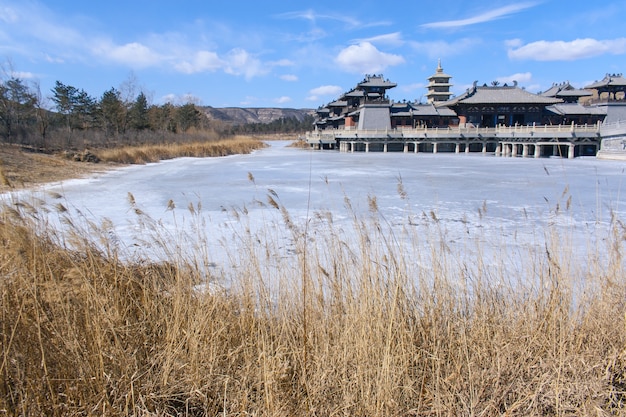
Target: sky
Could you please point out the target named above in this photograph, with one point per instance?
(298, 54)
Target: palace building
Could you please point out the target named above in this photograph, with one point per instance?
(503, 119)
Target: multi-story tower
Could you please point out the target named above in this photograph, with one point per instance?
(439, 86)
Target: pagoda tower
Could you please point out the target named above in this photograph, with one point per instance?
(439, 86)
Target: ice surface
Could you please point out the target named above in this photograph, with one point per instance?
(495, 200)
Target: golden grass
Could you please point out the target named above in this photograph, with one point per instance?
(156, 152)
(356, 325)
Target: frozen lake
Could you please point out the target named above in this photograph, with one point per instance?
(470, 198)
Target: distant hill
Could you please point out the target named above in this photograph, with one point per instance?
(240, 115)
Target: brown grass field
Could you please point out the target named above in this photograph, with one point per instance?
(21, 168)
(357, 326)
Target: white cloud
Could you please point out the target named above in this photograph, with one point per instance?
(567, 51)
(132, 54)
(326, 90)
(240, 62)
(180, 99)
(520, 77)
(480, 18)
(289, 77)
(394, 39)
(283, 100)
(313, 17)
(201, 62)
(440, 49)
(365, 58)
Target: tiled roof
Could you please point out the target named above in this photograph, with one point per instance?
(423, 110)
(376, 81)
(565, 109)
(610, 80)
(565, 90)
(355, 93)
(500, 95)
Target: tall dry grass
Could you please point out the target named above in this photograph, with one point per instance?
(358, 323)
(142, 154)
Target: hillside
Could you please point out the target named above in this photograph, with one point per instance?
(239, 115)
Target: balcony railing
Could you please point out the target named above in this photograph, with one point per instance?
(351, 131)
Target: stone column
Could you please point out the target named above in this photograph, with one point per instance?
(367, 146)
(385, 147)
(513, 149)
(537, 150)
(434, 147)
(498, 149)
(406, 147)
(484, 150)
(570, 151)
(467, 146)
(525, 150)
(457, 148)
(416, 149)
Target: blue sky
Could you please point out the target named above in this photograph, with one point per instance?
(304, 54)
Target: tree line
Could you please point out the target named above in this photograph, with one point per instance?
(69, 116)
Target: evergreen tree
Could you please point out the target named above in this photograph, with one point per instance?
(138, 113)
(17, 108)
(75, 106)
(187, 116)
(113, 112)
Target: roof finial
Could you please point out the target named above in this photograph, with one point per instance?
(439, 68)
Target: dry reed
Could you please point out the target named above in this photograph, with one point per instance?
(155, 152)
(356, 325)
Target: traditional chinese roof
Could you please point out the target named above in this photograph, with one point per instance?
(376, 81)
(420, 110)
(610, 80)
(575, 109)
(500, 95)
(355, 93)
(565, 91)
(338, 103)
